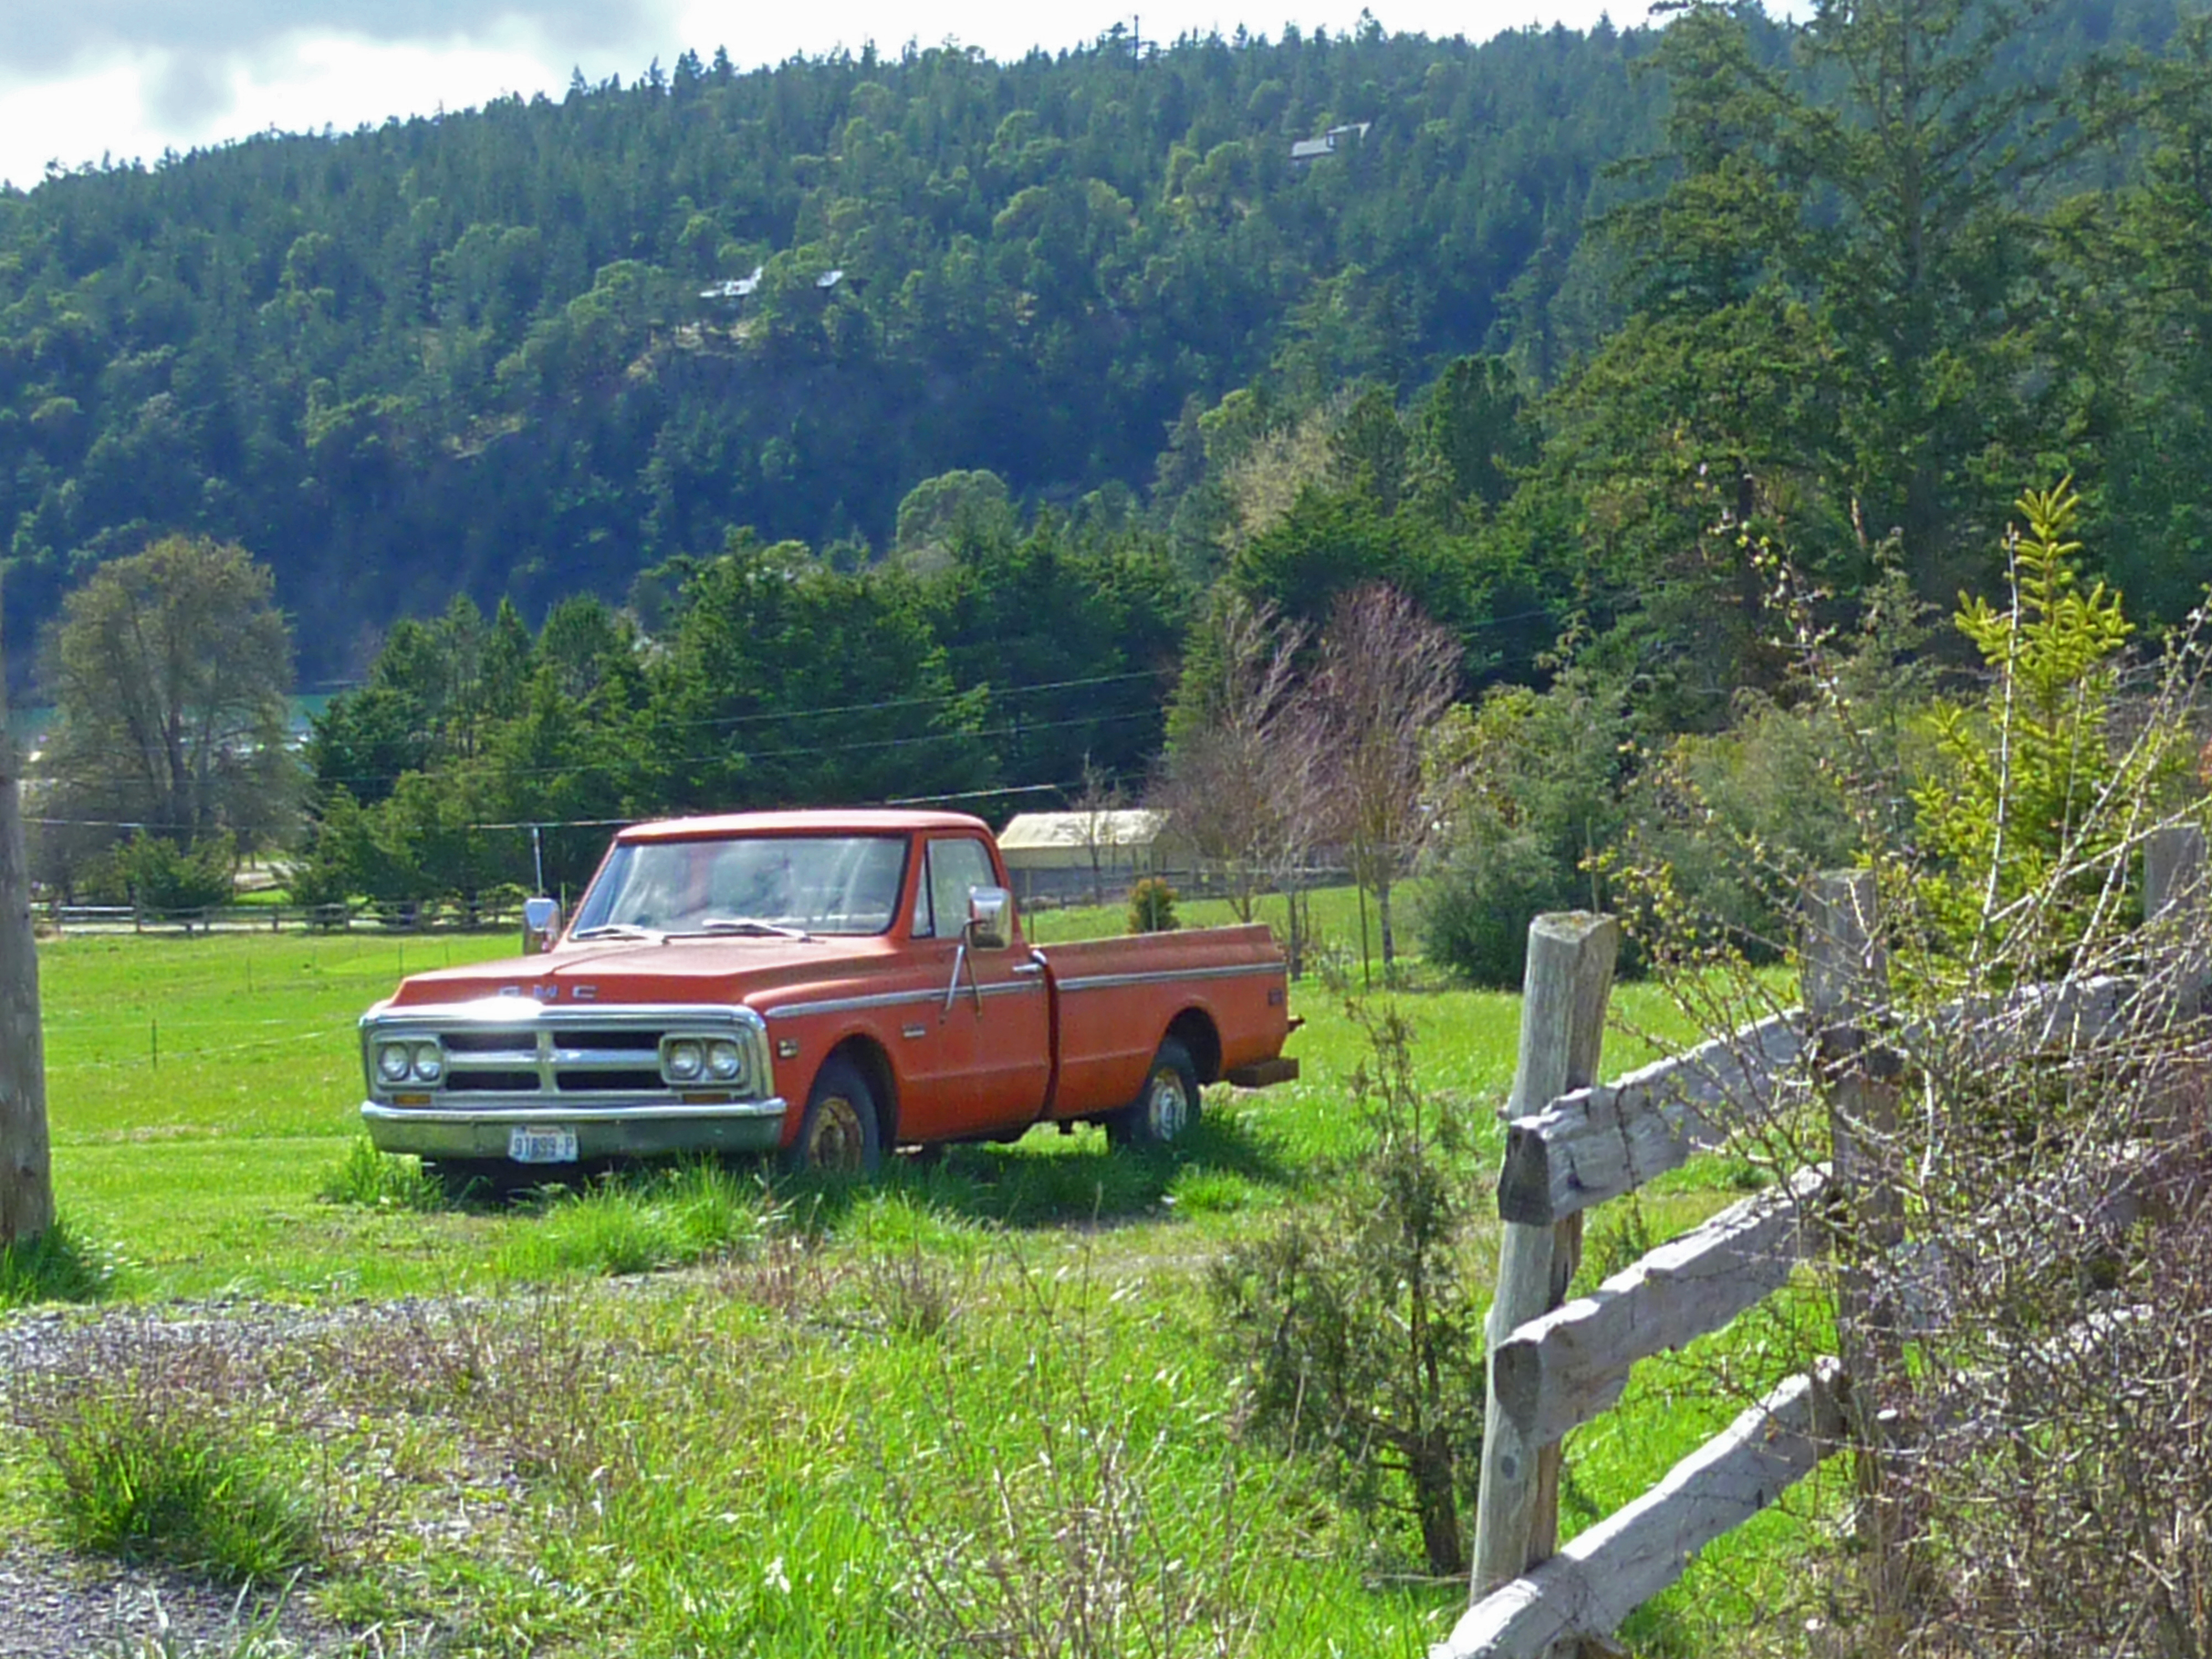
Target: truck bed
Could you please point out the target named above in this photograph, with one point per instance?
(1112, 998)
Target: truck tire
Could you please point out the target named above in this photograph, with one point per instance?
(1165, 1110)
(842, 1134)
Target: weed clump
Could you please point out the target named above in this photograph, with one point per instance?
(911, 1295)
(1357, 1331)
(141, 1469)
(381, 1181)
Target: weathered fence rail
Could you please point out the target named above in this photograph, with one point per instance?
(1560, 1370)
(1600, 1142)
(382, 918)
(1572, 1143)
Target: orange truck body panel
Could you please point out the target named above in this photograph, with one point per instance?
(1018, 1036)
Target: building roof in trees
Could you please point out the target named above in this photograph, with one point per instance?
(1032, 837)
(1312, 149)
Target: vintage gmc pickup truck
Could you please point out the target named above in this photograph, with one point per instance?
(827, 985)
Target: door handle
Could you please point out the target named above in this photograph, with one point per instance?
(1026, 969)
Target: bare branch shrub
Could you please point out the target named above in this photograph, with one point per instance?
(2026, 1241)
(1239, 785)
(1387, 673)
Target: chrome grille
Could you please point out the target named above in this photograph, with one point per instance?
(609, 1054)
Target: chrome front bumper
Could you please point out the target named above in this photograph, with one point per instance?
(601, 1131)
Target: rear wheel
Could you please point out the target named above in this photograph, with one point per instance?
(842, 1134)
(1165, 1110)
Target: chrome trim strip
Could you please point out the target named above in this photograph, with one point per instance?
(848, 1005)
(554, 1115)
(886, 999)
(528, 1010)
(1161, 977)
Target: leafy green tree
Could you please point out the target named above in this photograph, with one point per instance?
(953, 507)
(161, 876)
(1527, 786)
(1471, 434)
(2027, 793)
(170, 670)
(789, 684)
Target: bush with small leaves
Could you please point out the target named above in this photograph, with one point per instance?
(1152, 906)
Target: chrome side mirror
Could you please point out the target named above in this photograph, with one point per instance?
(541, 925)
(990, 918)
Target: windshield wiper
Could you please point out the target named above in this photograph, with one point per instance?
(750, 925)
(615, 930)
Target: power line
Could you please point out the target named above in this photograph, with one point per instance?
(1014, 729)
(1019, 726)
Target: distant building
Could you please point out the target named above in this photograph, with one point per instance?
(744, 288)
(1312, 149)
(1051, 854)
(734, 288)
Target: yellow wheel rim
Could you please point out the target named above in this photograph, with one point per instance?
(837, 1141)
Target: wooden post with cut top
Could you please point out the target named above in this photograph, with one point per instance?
(1564, 994)
(1846, 969)
(2173, 901)
(26, 1189)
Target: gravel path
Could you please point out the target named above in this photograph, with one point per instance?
(54, 1606)
(57, 1605)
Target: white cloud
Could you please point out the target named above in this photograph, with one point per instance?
(130, 79)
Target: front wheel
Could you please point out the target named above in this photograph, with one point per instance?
(475, 1179)
(1165, 1111)
(841, 1133)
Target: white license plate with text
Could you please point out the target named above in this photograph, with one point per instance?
(542, 1146)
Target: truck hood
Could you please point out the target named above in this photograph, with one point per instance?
(683, 971)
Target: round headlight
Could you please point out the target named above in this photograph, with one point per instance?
(684, 1060)
(430, 1063)
(392, 1061)
(724, 1062)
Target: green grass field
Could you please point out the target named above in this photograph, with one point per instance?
(808, 1440)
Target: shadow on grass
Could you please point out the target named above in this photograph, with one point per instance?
(59, 1265)
(634, 1218)
(1037, 1184)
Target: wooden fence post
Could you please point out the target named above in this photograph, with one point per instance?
(27, 1186)
(1564, 994)
(1846, 969)
(2173, 899)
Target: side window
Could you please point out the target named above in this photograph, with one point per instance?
(940, 906)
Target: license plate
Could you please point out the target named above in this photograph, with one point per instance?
(542, 1146)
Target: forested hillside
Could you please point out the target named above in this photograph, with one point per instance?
(472, 352)
(871, 429)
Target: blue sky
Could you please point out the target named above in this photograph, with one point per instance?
(81, 79)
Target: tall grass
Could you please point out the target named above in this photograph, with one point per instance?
(137, 1471)
(636, 1223)
(60, 1265)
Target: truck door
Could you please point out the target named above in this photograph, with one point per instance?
(983, 1063)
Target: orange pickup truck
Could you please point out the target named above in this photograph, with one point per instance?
(827, 985)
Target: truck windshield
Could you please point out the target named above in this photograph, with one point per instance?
(763, 885)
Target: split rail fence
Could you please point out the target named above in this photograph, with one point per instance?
(1573, 1143)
